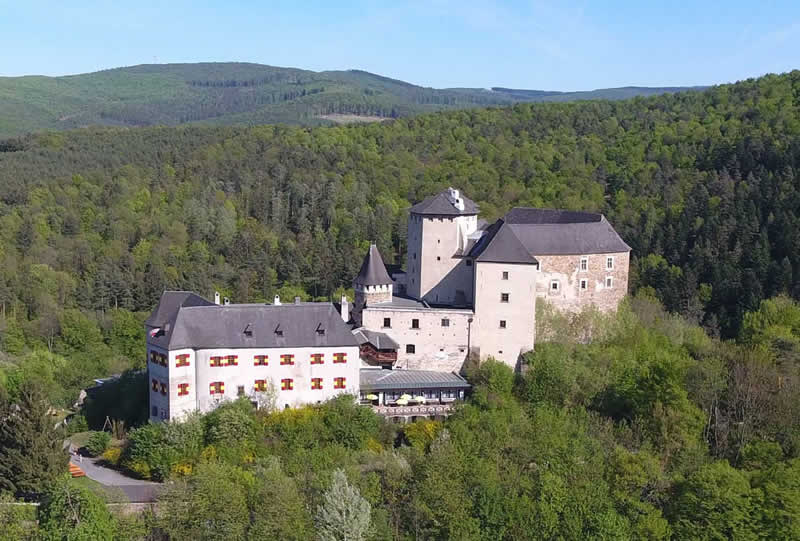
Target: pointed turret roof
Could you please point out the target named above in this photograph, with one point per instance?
(373, 271)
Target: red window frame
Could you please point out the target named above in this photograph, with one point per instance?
(154, 386)
(261, 360)
(261, 385)
(287, 384)
(339, 358)
(287, 359)
(316, 383)
(339, 383)
(317, 358)
(183, 389)
(181, 360)
(216, 387)
(231, 360)
(215, 361)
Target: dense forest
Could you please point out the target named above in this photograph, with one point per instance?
(654, 430)
(241, 94)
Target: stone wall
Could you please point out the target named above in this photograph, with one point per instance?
(436, 347)
(567, 272)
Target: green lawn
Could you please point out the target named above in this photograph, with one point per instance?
(108, 494)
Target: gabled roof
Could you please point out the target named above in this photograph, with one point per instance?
(373, 271)
(500, 245)
(223, 326)
(539, 232)
(378, 339)
(376, 379)
(441, 205)
(168, 306)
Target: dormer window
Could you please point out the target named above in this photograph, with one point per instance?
(248, 330)
(278, 331)
(320, 330)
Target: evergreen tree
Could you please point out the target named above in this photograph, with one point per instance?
(31, 453)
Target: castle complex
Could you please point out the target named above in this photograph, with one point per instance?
(469, 288)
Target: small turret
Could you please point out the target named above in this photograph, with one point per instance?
(373, 284)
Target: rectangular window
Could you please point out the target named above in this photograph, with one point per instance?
(505, 275)
(502, 323)
(609, 282)
(182, 360)
(387, 323)
(584, 263)
(415, 324)
(445, 322)
(183, 389)
(260, 385)
(155, 385)
(240, 390)
(503, 297)
(316, 384)
(339, 358)
(216, 387)
(339, 383)
(232, 360)
(215, 361)
(609, 262)
(554, 285)
(287, 384)
(410, 348)
(287, 359)
(317, 358)
(584, 283)
(164, 389)
(261, 360)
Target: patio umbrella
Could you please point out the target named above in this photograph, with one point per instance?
(405, 397)
(371, 397)
(420, 399)
(402, 401)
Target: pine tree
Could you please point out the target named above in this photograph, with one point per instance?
(31, 453)
(344, 515)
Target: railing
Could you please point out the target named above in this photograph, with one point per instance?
(421, 409)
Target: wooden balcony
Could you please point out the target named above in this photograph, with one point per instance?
(376, 356)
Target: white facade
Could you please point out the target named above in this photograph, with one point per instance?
(189, 388)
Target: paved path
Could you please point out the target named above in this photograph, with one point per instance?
(136, 490)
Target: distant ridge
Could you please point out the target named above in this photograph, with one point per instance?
(236, 93)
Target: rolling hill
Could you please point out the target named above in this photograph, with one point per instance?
(242, 94)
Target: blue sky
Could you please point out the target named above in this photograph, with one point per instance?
(440, 43)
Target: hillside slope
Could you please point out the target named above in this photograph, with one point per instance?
(238, 93)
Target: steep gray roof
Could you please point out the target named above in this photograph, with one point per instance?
(373, 379)
(539, 232)
(440, 205)
(373, 271)
(168, 306)
(500, 245)
(378, 339)
(219, 326)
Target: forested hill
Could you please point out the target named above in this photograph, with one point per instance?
(703, 186)
(241, 94)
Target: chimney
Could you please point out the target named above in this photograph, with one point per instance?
(276, 301)
(216, 297)
(226, 301)
(345, 309)
(297, 300)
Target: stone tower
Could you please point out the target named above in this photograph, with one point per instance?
(373, 285)
(439, 230)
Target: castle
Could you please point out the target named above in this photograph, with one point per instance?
(469, 288)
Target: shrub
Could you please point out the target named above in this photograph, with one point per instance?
(112, 455)
(97, 443)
